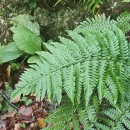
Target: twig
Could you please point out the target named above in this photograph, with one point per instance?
(8, 100)
(24, 59)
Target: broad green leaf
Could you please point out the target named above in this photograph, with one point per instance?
(9, 52)
(33, 59)
(26, 22)
(26, 40)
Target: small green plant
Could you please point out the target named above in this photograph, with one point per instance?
(22, 125)
(26, 39)
(91, 5)
(91, 68)
(32, 3)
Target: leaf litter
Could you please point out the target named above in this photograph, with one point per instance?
(18, 116)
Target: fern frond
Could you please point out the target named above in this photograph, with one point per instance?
(100, 22)
(113, 90)
(109, 119)
(80, 64)
(102, 127)
(124, 21)
(74, 115)
(91, 65)
(119, 118)
(61, 117)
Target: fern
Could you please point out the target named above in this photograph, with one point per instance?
(92, 68)
(90, 64)
(123, 21)
(72, 115)
(68, 116)
(101, 22)
(118, 118)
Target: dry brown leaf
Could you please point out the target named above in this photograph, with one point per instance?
(41, 123)
(4, 128)
(8, 71)
(25, 111)
(17, 127)
(8, 115)
(2, 125)
(33, 126)
(16, 99)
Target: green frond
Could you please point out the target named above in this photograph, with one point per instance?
(91, 65)
(80, 64)
(124, 21)
(102, 127)
(75, 122)
(61, 117)
(91, 114)
(74, 115)
(109, 119)
(95, 102)
(109, 96)
(100, 22)
(92, 4)
(119, 118)
(83, 118)
(112, 89)
(102, 79)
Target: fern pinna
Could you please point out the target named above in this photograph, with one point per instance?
(92, 68)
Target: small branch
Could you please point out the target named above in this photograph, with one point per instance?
(4, 96)
(24, 59)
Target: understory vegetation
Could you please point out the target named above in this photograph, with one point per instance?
(84, 72)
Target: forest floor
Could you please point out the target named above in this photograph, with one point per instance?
(27, 113)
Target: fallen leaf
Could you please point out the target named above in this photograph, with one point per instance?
(25, 111)
(8, 71)
(18, 127)
(2, 125)
(33, 126)
(4, 128)
(41, 123)
(8, 115)
(16, 99)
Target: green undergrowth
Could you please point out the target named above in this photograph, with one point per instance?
(87, 72)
